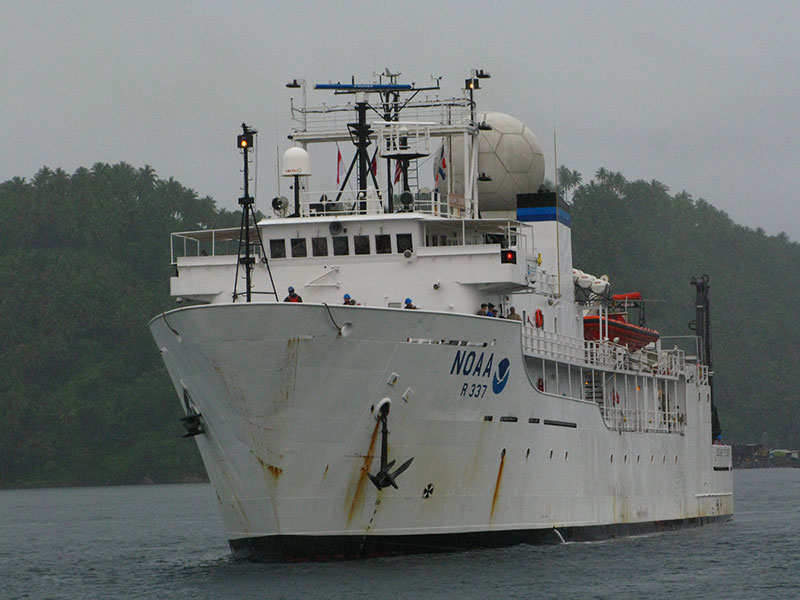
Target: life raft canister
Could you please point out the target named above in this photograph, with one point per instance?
(539, 317)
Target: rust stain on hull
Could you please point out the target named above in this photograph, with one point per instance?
(271, 469)
(498, 482)
(358, 496)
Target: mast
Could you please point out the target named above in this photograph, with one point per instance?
(703, 328)
(245, 141)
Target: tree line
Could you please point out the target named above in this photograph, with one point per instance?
(649, 240)
(84, 261)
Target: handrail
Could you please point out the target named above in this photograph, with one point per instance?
(601, 353)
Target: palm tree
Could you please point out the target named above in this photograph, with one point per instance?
(567, 180)
(658, 187)
(617, 182)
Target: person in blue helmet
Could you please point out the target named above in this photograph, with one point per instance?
(292, 297)
(349, 300)
(409, 304)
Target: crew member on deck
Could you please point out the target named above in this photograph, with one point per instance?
(409, 304)
(292, 297)
(513, 315)
(482, 311)
(348, 301)
(490, 311)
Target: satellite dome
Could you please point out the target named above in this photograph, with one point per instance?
(509, 154)
(296, 162)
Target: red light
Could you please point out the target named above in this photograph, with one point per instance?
(508, 256)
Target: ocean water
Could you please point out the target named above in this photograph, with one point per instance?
(167, 541)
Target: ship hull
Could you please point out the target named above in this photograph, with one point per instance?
(298, 548)
(288, 395)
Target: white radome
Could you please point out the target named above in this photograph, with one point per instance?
(510, 154)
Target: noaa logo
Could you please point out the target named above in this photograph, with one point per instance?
(500, 378)
(480, 364)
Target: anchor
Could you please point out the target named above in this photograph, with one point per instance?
(193, 421)
(384, 478)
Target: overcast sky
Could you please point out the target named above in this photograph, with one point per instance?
(700, 95)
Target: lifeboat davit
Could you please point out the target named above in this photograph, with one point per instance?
(617, 328)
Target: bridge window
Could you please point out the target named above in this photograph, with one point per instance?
(341, 247)
(319, 246)
(361, 244)
(404, 242)
(277, 248)
(299, 247)
(383, 243)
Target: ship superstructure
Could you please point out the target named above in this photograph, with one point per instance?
(351, 424)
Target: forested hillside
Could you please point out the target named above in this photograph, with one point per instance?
(648, 240)
(84, 265)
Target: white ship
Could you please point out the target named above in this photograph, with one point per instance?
(349, 426)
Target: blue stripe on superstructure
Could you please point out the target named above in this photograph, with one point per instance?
(543, 213)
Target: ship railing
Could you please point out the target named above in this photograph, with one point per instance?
(542, 281)
(617, 357)
(332, 119)
(548, 344)
(670, 362)
(351, 202)
(208, 242)
(607, 354)
(636, 420)
(403, 139)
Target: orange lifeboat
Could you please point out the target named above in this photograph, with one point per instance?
(617, 328)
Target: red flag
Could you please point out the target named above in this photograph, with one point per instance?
(339, 166)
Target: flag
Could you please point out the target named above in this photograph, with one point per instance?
(339, 166)
(398, 170)
(441, 171)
